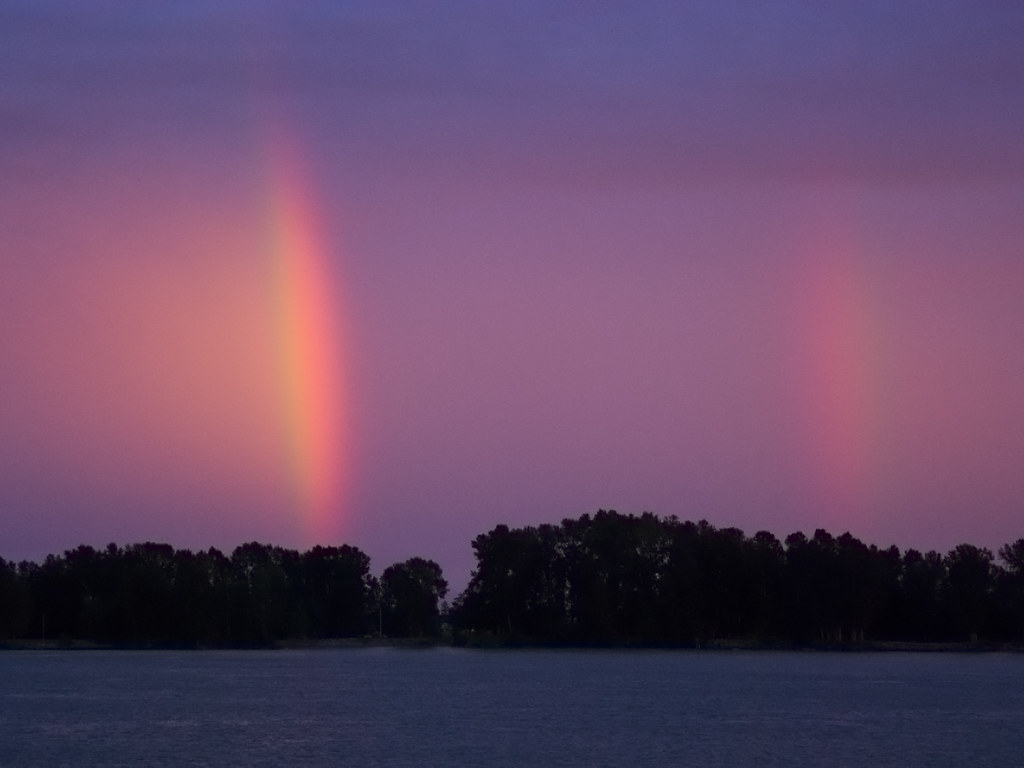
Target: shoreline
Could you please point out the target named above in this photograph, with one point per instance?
(881, 646)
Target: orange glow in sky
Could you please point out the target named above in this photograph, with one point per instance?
(309, 341)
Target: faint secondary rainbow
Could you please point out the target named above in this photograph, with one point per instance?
(844, 378)
(310, 342)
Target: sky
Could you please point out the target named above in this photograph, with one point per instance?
(391, 274)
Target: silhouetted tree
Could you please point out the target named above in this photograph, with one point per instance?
(339, 591)
(1010, 590)
(514, 589)
(411, 597)
(14, 602)
(725, 590)
(868, 580)
(147, 573)
(682, 584)
(57, 596)
(812, 588)
(605, 578)
(259, 594)
(969, 590)
(202, 594)
(922, 581)
(767, 561)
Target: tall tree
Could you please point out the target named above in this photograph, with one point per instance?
(1011, 590)
(411, 597)
(14, 602)
(970, 583)
(922, 581)
(513, 591)
(339, 591)
(259, 594)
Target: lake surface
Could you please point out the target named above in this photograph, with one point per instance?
(454, 707)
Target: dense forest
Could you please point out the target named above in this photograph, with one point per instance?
(625, 579)
(153, 595)
(602, 579)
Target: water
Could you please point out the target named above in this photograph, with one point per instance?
(450, 707)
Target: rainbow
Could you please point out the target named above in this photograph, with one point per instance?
(844, 375)
(309, 348)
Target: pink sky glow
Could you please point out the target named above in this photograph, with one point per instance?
(760, 265)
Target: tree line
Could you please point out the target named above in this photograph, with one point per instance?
(607, 579)
(151, 594)
(625, 579)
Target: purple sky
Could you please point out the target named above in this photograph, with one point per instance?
(755, 263)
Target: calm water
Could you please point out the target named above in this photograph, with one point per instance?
(446, 707)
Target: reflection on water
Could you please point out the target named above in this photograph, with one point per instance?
(391, 707)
